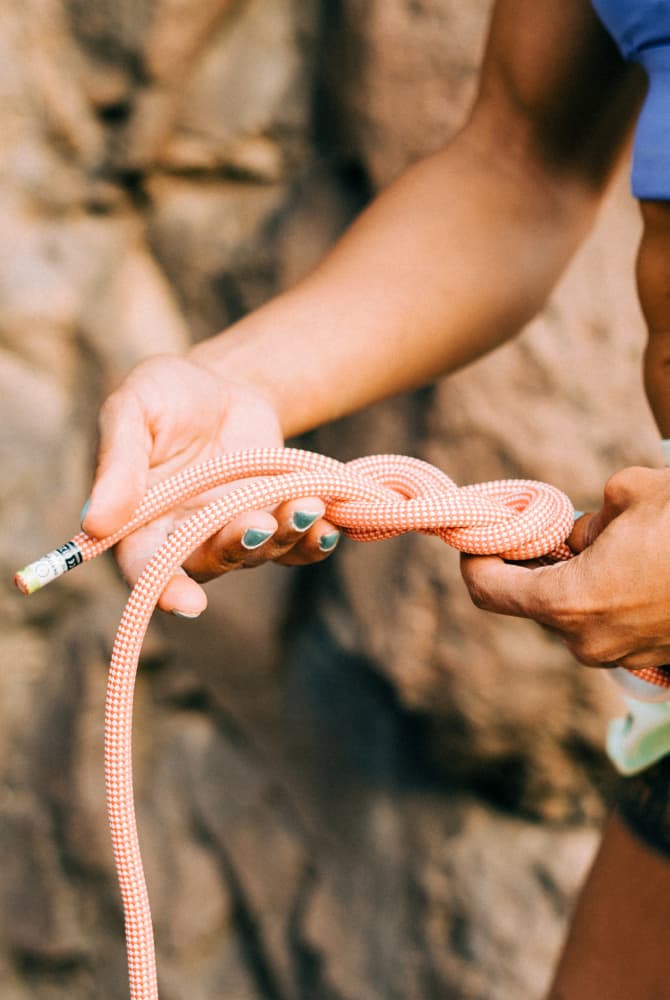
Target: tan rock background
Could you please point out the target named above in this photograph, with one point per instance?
(351, 784)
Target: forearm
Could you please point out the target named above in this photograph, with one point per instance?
(644, 803)
(617, 945)
(450, 261)
(653, 277)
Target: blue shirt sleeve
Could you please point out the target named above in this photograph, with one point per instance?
(641, 29)
(651, 151)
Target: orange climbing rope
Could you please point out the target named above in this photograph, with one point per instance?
(368, 499)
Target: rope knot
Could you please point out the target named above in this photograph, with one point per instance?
(369, 498)
(517, 519)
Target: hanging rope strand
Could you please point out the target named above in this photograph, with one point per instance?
(368, 499)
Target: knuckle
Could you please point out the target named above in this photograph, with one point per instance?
(625, 484)
(226, 564)
(582, 654)
(110, 407)
(216, 563)
(478, 595)
(113, 408)
(248, 560)
(618, 486)
(593, 650)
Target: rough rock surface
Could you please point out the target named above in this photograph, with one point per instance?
(377, 788)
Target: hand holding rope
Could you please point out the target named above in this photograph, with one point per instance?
(368, 499)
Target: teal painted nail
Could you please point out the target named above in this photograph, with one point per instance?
(328, 542)
(301, 520)
(186, 614)
(578, 514)
(84, 510)
(253, 538)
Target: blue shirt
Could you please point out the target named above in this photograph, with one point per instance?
(641, 29)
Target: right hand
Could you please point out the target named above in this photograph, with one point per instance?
(168, 414)
(609, 604)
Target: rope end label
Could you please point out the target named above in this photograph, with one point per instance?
(38, 574)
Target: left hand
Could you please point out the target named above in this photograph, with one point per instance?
(611, 603)
(172, 412)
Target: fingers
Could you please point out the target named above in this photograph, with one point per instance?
(584, 533)
(318, 543)
(628, 486)
(182, 595)
(551, 595)
(296, 534)
(508, 589)
(622, 491)
(646, 658)
(241, 543)
(304, 536)
(587, 527)
(123, 461)
(554, 596)
(608, 604)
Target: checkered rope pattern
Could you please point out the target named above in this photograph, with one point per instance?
(368, 499)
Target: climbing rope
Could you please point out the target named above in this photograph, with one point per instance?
(368, 499)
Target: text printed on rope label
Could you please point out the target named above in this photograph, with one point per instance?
(54, 564)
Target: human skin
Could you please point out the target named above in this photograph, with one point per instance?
(653, 282)
(617, 947)
(609, 608)
(486, 227)
(370, 321)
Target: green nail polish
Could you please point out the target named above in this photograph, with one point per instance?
(84, 510)
(186, 614)
(301, 520)
(253, 538)
(328, 542)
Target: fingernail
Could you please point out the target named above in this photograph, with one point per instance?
(301, 520)
(253, 538)
(328, 542)
(84, 510)
(186, 614)
(578, 514)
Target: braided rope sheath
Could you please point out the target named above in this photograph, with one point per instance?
(368, 499)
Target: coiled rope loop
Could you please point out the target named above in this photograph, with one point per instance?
(368, 499)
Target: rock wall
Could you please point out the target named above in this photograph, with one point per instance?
(376, 791)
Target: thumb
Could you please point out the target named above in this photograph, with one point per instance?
(584, 532)
(511, 589)
(124, 449)
(622, 490)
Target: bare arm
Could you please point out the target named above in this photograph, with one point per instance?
(610, 604)
(653, 279)
(464, 248)
(617, 946)
(451, 260)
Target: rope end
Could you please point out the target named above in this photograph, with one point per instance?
(38, 574)
(22, 582)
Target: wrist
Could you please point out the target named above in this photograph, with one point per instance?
(285, 355)
(243, 356)
(232, 373)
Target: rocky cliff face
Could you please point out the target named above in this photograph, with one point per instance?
(364, 788)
